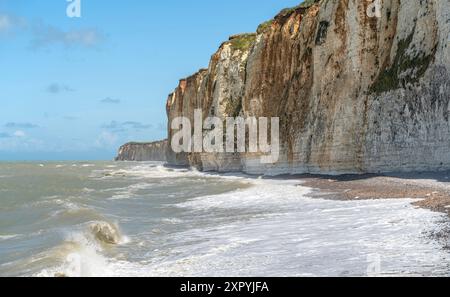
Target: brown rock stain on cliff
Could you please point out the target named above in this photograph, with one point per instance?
(340, 22)
(329, 100)
(314, 68)
(375, 51)
(285, 73)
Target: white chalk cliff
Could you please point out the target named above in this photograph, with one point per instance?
(354, 93)
(135, 151)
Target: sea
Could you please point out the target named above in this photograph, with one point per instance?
(88, 219)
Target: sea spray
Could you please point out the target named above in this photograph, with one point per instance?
(105, 232)
(187, 223)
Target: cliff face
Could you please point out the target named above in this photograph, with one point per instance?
(155, 151)
(354, 93)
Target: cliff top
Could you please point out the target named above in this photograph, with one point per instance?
(286, 13)
(145, 143)
(244, 41)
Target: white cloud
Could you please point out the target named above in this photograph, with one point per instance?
(121, 127)
(56, 88)
(19, 133)
(5, 23)
(22, 144)
(13, 125)
(106, 139)
(110, 100)
(9, 23)
(45, 35)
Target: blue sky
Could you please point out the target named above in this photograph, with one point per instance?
(78, 88)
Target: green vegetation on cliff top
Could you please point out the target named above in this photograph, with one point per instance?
(284, 13)
(243, 41)
(304, 4)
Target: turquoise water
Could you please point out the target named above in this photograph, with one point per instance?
(142, 219)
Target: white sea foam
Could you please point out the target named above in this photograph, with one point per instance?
(263, 195)
(81, 254)
(80, 257)
(172, 221)
(273, 229)
(88, 190)
(154, 171)
(290, 234)
(130, 191)
(8, 237)
(270, 228)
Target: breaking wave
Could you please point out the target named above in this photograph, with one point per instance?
(106, 233)
(137, 219)
(82, 254)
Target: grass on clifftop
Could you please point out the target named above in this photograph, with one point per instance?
(304, 4)
(264, 26)
(285, 12)
(243, 42)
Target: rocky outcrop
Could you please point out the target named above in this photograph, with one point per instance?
(354, 92)
(133, 151)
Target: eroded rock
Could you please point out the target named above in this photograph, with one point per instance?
(354, 93)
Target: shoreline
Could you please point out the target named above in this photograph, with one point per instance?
(432, 189)
(232, 218)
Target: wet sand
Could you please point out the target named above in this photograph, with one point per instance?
(433, 188)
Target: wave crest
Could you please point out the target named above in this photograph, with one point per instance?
(105, 232)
